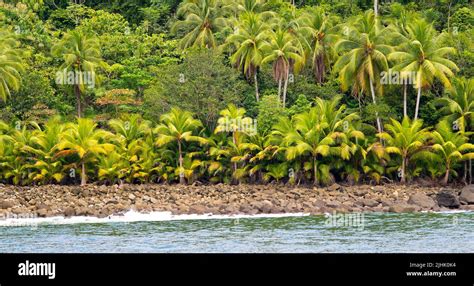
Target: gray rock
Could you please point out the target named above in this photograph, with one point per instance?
(370, 203)
(467, 194)
(447, 199)
(402, 208)
(6, 204)
(422, 200)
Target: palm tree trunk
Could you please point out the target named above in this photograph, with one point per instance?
(234, 140)
(285, 87)
(315, 166)
(417, 102)
(405, 113)
(376, 8)
(372, 91)
(446, 177)
(255, 79)
(279, 88)
(83, 174)
(464, 179)
(181, 174)
(77, 92)
(470, 172)
(404, 166)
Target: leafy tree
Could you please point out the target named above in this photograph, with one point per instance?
(282, 51)
(10, 64)
(405, 139)
(364, 49)
(451, 147)
(250, 38)
(202, 84)
(81, 56)
(178, 126)
(202, 19)
(423, 55)
(86, 141)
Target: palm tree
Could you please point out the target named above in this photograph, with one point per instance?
(363, 58)
(232, 120)
(86, 141)
(405, 138)
(250, 37)
(203, 18)
(402, 19)
(451, 147)
(282, 49)
(44, 148)
(10, 65)
(423, 55)
(246, 6)
(458, 104)
(318, 33)
(178, 126)
(81, 56)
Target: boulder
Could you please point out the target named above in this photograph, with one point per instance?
(370, 203)
(403, 208)
(267, 206)
(6, 204)
(467, 194)
(335, 188)
(447, 199)
(422, 200)
(69, 211)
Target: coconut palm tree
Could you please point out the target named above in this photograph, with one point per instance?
(249, 39)
(233, 120)
(44, 147)
(405, 139)
(282, 48)
(451, 147)
(423, 55)
(203, 18)
(81, 57)
(178, 126)
(11, 64)
(458, 104)
(86, 141)
(319, 34)
(364, 49)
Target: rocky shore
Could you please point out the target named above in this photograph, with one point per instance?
(102, 201)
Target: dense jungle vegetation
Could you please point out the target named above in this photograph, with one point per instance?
(233, 91)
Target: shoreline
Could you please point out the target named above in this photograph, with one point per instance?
(100, 201)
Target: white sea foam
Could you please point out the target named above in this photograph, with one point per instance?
(132, 216)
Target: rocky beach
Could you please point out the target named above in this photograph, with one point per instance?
(102, 201)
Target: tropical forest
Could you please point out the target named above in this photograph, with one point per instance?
(296, 92)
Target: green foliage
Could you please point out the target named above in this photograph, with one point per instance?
(201, 84)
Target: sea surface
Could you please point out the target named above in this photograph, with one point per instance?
(165, 233)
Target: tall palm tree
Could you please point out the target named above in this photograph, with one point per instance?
(405, 138)
(318, 32)
(86, 141)
(81, 56)
(203, 18)
(363, 58)
(11, 65)
(250, 38)
(178, 126)
(451, 147)
(282, 48)
(402, 18)
(423, 55)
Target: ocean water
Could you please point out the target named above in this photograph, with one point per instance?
(164, 233)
